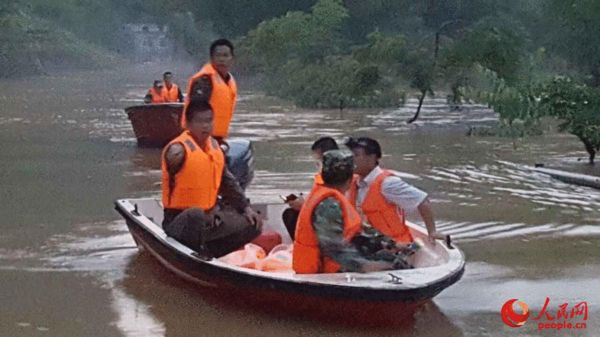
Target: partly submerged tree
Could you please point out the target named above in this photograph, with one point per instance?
(421, 72)
(517, 103)
(577, 107)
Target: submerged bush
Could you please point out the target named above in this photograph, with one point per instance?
(336, 82)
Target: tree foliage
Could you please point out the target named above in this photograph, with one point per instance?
(308, 37)
(28, 43)
(234, 18)
(572, 30)
(308, 60)
(576, 106)
(517, 104)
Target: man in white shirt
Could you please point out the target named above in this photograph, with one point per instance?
(382, 198)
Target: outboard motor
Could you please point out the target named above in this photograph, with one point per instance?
(240, 160)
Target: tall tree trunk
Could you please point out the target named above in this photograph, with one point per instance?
(590, 150)
(414, 118)
(436, 50)
(595, 81)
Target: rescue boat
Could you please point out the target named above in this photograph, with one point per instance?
(155, 125)
(378, 297)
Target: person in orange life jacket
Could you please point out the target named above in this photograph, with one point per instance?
(155, 94)
(384, 198)
(193, 176)
(329, 226)
(215, 84)
(170, 91)
(290, 215)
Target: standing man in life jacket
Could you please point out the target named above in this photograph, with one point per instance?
(329, 226)
(382, 198)
(193, 176)
(290, 215)
(215, 84)
(171, 92)
(155, 94)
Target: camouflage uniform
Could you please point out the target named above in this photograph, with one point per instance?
(328, 223)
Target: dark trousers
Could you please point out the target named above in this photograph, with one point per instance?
(290, 217)
(193, 228)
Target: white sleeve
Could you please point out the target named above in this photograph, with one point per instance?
(406, 196)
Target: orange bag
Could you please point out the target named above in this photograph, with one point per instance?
(248, 257)
(279, 259)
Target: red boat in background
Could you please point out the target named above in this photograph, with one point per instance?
(155, 125)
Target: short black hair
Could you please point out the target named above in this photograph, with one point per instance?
(156, 83)
(370, 145)
(167, 73)
(196, 105)
(324, 144)
(220, 42)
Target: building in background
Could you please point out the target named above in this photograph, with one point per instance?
(146, 42)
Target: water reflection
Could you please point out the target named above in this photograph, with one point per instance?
(135, 318)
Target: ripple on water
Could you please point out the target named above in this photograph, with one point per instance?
(434, 112)
(93, 247)
(517, 182)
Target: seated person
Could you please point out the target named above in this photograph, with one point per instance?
(155, 94)
(329, 235)
(290, 215)
(193, 176)
(383, 198)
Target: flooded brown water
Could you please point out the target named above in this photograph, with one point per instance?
(68, 266)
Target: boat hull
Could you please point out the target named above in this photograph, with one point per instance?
(155, 125)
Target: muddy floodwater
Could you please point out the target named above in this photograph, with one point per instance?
(68, 266)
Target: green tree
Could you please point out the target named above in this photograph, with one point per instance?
(517, 104)
(576, 106)
(308, 37)
(235, 18)
(421, 72)
(490, 44)
(495, 47)
(387, 16)
(387, 51)
(572, 30)
(29, 43)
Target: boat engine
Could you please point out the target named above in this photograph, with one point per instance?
(240, 160)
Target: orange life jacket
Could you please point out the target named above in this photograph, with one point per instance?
(307, 257)
(171, 95)
(156, 97)
(383, 215)
(197, 182)
(317, 182)
(222, 99)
